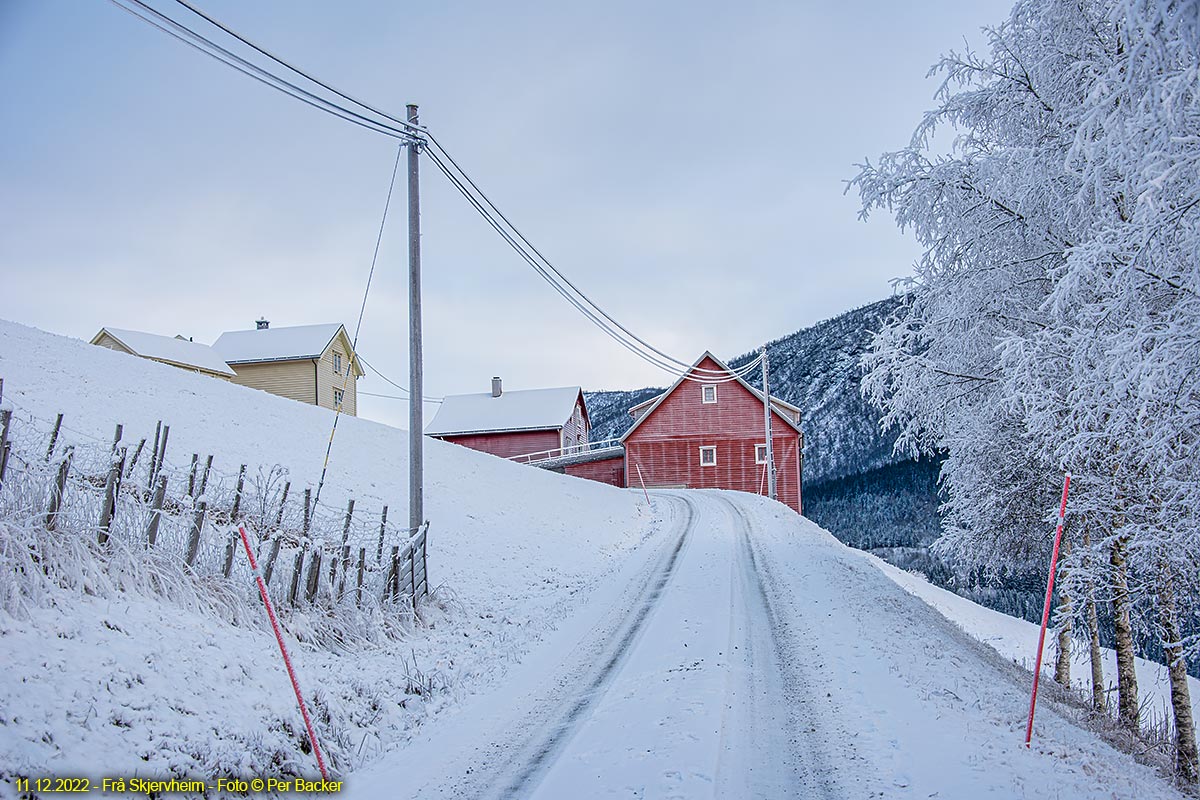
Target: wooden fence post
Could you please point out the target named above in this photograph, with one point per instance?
(117, 436)
(296, 568)
(314, 575)
(192, 475)
(136, 454)
(270, 568)
(389, 583)
(204, 480)
(382, 527)
(154, 455)
(307, 509)
(5, 423)
(282, 503)
(162, 453)
(412, 573)
(60, 489)
(424, 561)
(229, 550)
(193, 547)
(160, 494)
(345, 538)
(237, 495)
(53, 437)
(341, 585)
(112, 490)
(362, 558)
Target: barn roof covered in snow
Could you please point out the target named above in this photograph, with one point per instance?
(169, 349)
(522, 410)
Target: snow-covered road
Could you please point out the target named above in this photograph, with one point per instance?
(743, 652)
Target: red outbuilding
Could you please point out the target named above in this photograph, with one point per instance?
(507, 424)
(708, 432)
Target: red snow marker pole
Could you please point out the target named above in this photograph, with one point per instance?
(1037, 669)
(643, 480)
(262, 589)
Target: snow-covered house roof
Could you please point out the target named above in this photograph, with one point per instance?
(297, 343)
(522, 410)
(173, 350)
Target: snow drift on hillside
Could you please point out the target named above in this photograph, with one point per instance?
(125, 683)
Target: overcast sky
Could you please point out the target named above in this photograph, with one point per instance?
(683, 163)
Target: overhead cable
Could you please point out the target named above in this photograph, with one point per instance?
(210, 48)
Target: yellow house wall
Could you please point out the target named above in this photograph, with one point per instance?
(292, 379)
(328, 379)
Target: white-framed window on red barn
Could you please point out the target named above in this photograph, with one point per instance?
(708, 394)
(708, 456)
(760, 454)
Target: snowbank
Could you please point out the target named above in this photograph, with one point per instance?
(1017, 639)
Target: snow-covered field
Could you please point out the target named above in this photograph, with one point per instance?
(714, 645)
(123, 684)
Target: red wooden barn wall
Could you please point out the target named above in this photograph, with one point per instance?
(667, 444)
(507, 445)
(608, 470)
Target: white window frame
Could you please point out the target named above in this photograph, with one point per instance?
(337, 363)
(760, 448)
(712, 463)
(704, 393)
(338, 400)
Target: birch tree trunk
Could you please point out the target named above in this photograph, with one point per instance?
(1099, 699)
(1187, 764)
(1127, 691)
(1062, 660)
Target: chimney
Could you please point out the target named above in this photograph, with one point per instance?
(496, 390)
(262, 324)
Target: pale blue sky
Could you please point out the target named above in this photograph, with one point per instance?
(683, 163)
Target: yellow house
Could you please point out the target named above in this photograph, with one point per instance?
(309, 363)
(175, 351)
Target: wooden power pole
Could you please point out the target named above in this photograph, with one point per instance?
(416, 425)
(767, 425)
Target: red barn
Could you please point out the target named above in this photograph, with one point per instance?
(508, 424)
(707, 432)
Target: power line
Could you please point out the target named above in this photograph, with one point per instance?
(549, 265)
(409, 132)
(386, 396)
(403, 123)
(718, 376)
(215, 51)
(404, 389)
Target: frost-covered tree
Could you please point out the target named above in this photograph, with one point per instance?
(1054, 319)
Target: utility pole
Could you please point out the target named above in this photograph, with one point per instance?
(416, 424)
(767, 426)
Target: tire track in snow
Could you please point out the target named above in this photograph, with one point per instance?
(550, 738)
(783, 722)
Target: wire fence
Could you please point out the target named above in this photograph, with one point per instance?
(136, 494)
